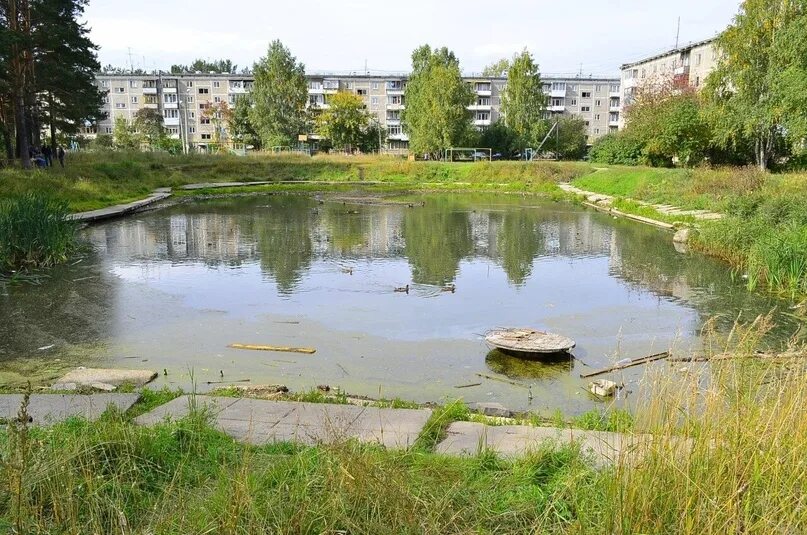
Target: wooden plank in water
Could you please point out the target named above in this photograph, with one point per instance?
(306, 350)
(630, 364)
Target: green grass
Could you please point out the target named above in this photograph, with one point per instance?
(93, 180)
(34, 232)
(724, 459)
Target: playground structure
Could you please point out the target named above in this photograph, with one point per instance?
(532, 155)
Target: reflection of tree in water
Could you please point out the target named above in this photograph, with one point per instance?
(348, 229)
(647, 258)
(519, 242)
(437, 238)
(284, 239)
(545, 367)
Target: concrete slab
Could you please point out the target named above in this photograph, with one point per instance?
(47, 409)
(119, 209)
(178, 408)
(103, 377)
(469, 438)
(257, 421)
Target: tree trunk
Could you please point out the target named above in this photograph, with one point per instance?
(52, 124)
(22, 131)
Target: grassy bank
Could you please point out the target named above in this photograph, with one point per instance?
(764, 233)
(92, 181)
(726, 457)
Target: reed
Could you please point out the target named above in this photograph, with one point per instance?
(34, 232)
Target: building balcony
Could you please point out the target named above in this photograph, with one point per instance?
(630, 83)
(557, 109)
(152, 105)
(613, 123)
(317, 90)
(557, 93)
(330, 86)
(481, 122)
(395, 106)
(169, 90)
(149, 90)
(170, 105)
(171, 121)
(615, 108)
(393, 122)
(398, 137)
(484, 92)
(240, 90)
(480, 107)
(614, 94)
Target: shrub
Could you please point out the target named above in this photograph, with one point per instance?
(34, 232)
(616, 149)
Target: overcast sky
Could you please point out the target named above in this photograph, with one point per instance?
(341, 35)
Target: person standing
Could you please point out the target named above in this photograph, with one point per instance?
(47, 152)
(60, 154)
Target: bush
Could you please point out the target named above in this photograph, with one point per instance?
(34, 232)
(616, 149)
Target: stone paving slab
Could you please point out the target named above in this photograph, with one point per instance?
(470, 438)
(47, 409)
(258, 421)
(103, 376)
(119, 209)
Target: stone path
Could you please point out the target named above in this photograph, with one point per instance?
(259, 422)
(47, 409)
(602, 200)
(469, 438)
(121, 209)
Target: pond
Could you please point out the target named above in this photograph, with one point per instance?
(170, 289)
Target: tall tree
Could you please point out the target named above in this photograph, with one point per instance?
(241, 128)
(149, 123)
(65, 62)
(221, 116)
(523, 100)
(497, 68)
(744, 85)
(437, 99)
(345, 122)
(279, 97)
(16, 23)
(570, 143)
(221, 66)
(124, 135)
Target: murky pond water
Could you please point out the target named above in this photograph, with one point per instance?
(170, 289)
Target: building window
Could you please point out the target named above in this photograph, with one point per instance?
(394, 85)
(483, 116)
(393, 115)
(558, 86)
(191, 129)
(107, 129)
(374, 101)
(190, 84)
(216, 84)
(120, 90)
(597, 117)
(121, 105)
(588, 123)
(216, 99)
(557, 102)
(697, 81)
(132, 83)
(598, 103)
(395, 100)
(190, 99)
(349, 85)
(614, 88)
(375, 86)
(171, 114)
(574, 102)
(613, 117)
(597, 88)
(585, 108)
(104, 83)
(586, 94)
(483, 101)
(105, 100)
(204, 90)
(394, 130)
(572, 87)
(134, 100)
(207, 136)
(192, 115)
(361, 92)
(170, 98)
(204, 120)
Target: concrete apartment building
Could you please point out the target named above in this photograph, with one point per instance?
(684, 66)
(183, 100)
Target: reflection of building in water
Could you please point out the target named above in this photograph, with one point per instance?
(209, 237)
(374, 232)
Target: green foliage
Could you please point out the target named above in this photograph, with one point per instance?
(240, 125)
(571, 138)
(757, 88)
(619, 148)
(523, 100)
(125, 135)
(497, 69)
(222, 66)
(345, 122)
(34, 232)
(501, 139)
(102, 142)
(148, 122)
(437, 99)
(279, 97)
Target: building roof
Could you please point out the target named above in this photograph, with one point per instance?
(678, 50)
(340, 75)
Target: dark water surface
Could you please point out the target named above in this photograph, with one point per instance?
(170, 289)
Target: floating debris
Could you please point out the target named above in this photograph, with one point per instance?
(284, 349)
(602, 388)
(528, 341)
(627, 363)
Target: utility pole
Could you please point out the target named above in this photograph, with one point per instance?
(678, 32)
